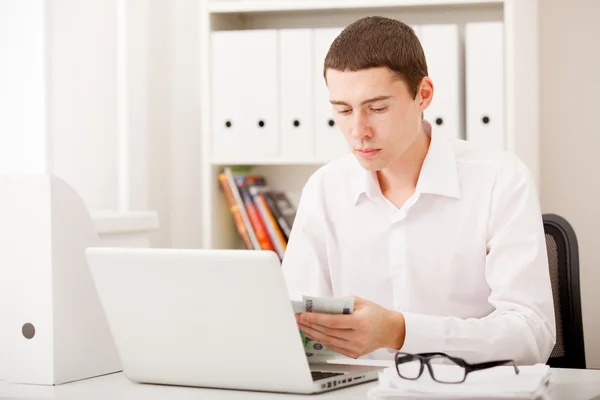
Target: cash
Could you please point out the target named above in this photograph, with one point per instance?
(340, 305)
(328, 305)
(298, 306)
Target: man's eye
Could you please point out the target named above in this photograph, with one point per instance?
(382, 109)
(344, 112)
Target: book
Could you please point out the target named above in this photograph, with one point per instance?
(285, 207)
(263, 217)
(254, 215)
(234, 208)
(279, 217)
(273, 230)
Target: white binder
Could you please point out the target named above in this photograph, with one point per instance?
(226, 96)
(296, 94)
(260, 86)
(52, 327)
(484, 69)
(329, 139)
(440, 43)
(244, 95)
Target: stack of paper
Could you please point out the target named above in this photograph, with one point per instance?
(533, 382)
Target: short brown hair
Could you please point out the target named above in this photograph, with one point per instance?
(373, 42)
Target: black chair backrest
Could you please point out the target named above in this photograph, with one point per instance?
(563, 259)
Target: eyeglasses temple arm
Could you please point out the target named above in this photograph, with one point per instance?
(492, 364)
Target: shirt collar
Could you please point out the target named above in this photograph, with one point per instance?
(439, 173)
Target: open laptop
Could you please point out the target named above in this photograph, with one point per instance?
(209, 318)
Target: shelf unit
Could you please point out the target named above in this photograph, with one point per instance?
(521, 103)
(240, 6)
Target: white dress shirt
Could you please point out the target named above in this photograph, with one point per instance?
(464, 259)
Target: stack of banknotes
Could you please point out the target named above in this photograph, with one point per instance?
(329, 305)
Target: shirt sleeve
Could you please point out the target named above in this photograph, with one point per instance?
(304, 263)
(522, 326)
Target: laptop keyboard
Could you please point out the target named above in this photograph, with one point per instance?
(317, 375)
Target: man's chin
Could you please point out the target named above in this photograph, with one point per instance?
(370, 165)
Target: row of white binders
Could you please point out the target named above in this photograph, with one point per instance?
(269, 100)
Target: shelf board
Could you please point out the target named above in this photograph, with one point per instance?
(121, 222)
(251, 162)
(254, 6)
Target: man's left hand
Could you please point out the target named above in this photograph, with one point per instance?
(368, 328)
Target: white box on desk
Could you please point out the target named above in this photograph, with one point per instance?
(52, 327)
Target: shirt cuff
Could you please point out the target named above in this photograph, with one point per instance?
(424, 334)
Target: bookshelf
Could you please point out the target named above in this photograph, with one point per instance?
(252, 6)
(521, 124)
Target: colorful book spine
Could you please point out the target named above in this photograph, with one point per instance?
(242, 209)
(281, 221)
(253, 213)
(285, 206)
(235, 211)
(272, 228)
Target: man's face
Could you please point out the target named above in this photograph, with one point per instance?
(377, 114)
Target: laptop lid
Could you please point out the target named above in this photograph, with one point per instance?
(212, 318)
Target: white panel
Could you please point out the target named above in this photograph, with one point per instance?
(484, 71)
(226, 81)
(441, 46)
(296, 91)
(259, 92)
(83, 345)
(133, 99)
(23, 83)
(521, 79)
(332, 6)
(329, 140)
(26, 269)
(42, 241)
(185, 114)
(84, 98)
(138, 78)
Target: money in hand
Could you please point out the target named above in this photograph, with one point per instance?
(329, 305)
(298, 306)
(333, 305)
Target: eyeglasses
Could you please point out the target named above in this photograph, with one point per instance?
(411, 366)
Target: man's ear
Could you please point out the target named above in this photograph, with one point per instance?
(425, 93)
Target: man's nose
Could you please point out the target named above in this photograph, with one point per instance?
(360, 127)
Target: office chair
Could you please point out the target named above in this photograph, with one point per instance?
(563, 259)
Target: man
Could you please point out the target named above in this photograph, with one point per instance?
(440, 242)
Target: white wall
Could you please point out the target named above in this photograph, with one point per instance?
(570, 142)
(23, 135)
(174, 122)
(104, 94)
(82, 39)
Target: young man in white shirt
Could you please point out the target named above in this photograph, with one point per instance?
(440, 242)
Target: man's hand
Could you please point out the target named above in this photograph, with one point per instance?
(368, 328)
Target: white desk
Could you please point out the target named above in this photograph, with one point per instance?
(569, 385)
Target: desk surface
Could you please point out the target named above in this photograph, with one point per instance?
(568, 384)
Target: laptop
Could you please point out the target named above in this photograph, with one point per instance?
(209, 318)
